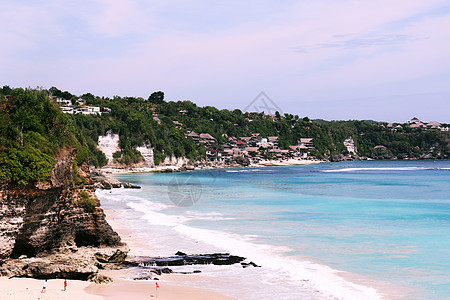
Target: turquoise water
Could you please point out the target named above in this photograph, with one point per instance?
(380, 221)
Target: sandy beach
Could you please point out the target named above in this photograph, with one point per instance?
(27, 289)
(262, 163)
(121, 288)
(145, 289)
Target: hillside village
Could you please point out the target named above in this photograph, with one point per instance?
(255, 147)
(79, 107)
(155, 133)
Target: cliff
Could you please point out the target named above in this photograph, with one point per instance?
(58, 214)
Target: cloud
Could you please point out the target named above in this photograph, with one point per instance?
(347, 41)
(222, 52)
(119, 17)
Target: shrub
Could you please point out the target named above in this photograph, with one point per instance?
(86, 201)
(25, 165)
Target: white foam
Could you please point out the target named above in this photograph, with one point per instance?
(376, 169)
(123, 195)
(320, 277)
(152, 215)
(213, 216)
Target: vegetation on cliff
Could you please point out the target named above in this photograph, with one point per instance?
(151, 120)
(33, 129)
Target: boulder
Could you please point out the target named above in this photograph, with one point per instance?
(182, 259)
(128, 185)
(99, 279)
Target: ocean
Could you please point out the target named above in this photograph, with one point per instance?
(347, 230)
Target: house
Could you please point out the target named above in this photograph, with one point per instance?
(63, 102)
(183, 112)
(299, 151)
(177, 124)
(227, 155)
(273, 141)
(67, 110)
(413, 121)
(241, 144)
(417, 125)
(270, 117)
(380, 147)
(264, 145)
(434, 125)
(249, 150)
(246, 139)
(207, 139)
(232, 141)
(280, 153)
(212, 153)
(82, 109)
(195, 136)
(307, 142)
(157, 120)
(105, 110)
(87, 110)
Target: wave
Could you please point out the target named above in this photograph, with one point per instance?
(123, 195)
(237, 171)
(316, 276)
(377, 169)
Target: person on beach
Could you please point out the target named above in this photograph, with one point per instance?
(65, 284)
(44, 287)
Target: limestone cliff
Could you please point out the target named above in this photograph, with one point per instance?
(63, 212)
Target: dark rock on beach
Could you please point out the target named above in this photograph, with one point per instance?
(99, 279)
(103, 181)
(128, 185)
(182, 259)
(250, 264)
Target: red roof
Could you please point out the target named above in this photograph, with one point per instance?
(241, 143)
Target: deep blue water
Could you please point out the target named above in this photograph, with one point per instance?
(388, 221)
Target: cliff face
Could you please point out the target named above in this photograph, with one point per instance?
(51, 215)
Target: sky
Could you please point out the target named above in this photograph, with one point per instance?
(384, 60)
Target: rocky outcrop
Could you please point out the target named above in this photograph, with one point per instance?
(81, 264)
(61, 213)
(350, 145)
(109, 144)
(103, 181)
(181, 259)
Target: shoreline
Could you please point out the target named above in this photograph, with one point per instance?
(175, 168)
(170, 285)
(385, 290)
(351, 280)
